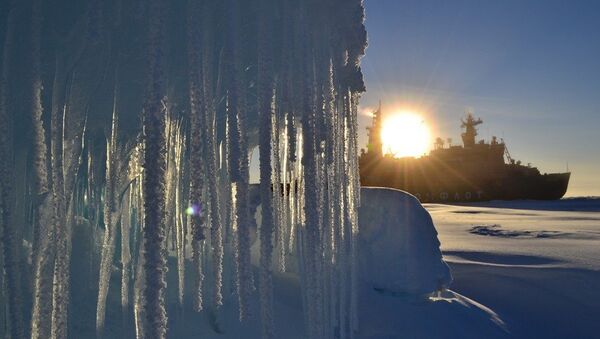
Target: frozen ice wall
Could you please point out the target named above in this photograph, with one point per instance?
(135, 119)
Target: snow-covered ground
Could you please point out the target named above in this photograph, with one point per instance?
(535, 264)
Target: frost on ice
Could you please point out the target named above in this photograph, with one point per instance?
(142, 117)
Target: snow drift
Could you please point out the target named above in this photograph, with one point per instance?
(398, 246)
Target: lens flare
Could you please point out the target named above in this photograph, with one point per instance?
(193, 210)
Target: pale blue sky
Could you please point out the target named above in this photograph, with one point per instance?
(529, 68)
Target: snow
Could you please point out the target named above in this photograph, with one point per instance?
(535, 263)
(540, 231)
(399, 249)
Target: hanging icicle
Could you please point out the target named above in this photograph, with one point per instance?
(155, 263)
(126, 252)
(180, 212)
(196, 210)
(265, 102)
(42, 256)
(213, 199)
(174, 196)
(283, 76)
(111, 218)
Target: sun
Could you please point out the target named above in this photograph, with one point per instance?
(405, 134)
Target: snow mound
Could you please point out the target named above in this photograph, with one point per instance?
(399, 250)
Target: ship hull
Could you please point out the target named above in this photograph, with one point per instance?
(434, 181)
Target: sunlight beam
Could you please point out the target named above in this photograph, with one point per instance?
(405, 134)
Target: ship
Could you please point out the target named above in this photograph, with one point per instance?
(473, 171)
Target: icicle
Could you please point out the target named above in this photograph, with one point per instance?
(138, 295)
(179, 150)
(311, 215)
(225, 182)
(244, 274)
(238, 157)
(215, 214)
(297, 197)
(125, 253)
(138, 252)
(284, 222)
(198, 262)
(108, 248)
(111, 216)
(170, 180)
(355, 201)
(331, 197)
(276, 189)
(155, 263)
(43, 256)
(265, 101)
(60, 274)
(197, 133)
(212, 81)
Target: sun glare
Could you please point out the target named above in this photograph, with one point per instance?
(405, 134)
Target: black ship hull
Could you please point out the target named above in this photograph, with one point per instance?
(432, 180)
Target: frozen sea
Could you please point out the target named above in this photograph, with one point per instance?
(536, 264)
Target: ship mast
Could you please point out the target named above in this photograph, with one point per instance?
(375, 146)
(470, 131)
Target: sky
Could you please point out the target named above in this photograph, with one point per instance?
(529, 68)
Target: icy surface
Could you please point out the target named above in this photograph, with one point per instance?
(555, 230)
(536, 264)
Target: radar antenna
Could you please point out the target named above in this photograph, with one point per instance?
(469, 124)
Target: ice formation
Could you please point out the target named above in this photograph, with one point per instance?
(142, 118)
